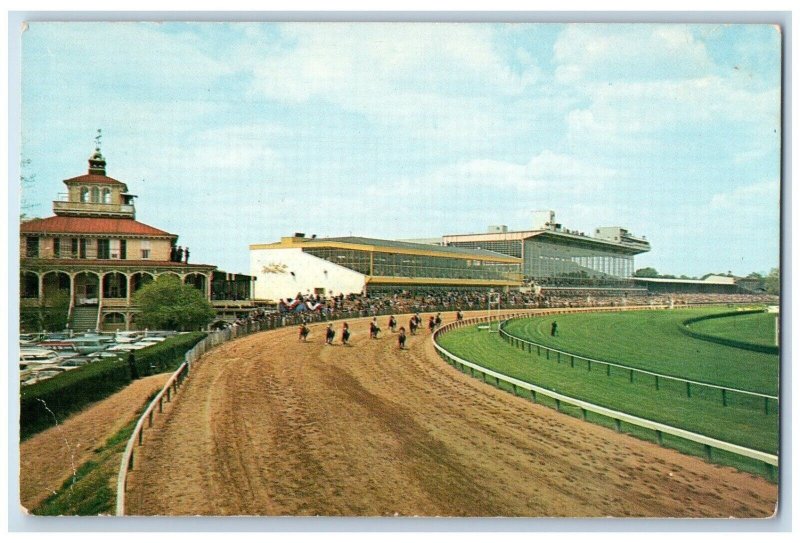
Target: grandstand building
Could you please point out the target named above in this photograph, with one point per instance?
(330, 266)
(551, 254)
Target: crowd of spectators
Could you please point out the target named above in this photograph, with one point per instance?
(299, 309)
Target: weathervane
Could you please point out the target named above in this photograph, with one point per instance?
(97, 139)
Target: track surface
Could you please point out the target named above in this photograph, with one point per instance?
(50, 457)
(268, 425)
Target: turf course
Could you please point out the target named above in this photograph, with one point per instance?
(652, 340)
(758, 328)
(644, 339)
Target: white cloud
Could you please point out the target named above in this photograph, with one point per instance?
(430, 79)
(636, 113)
(754, 198)
(550, 173)
(636, 51)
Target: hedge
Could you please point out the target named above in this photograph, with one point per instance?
(49, 402)
(684, 326)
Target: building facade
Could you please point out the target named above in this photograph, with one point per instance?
(551, 253)
(345, 265)
(92, 256)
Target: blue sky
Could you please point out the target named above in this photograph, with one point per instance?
(241, 133)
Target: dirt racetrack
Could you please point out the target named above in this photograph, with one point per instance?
(268, 425)
(50, 457)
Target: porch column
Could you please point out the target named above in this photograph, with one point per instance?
(100, 289)
(40, 277)
(208, 286)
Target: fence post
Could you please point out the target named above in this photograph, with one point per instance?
(660, 437)
(589, 364)
(656, 382)
(688, 390)
(608, 370)
(571, 361)
(533, 396)
(617, 425)
(558, 404)
(631, 377)
(766, 406)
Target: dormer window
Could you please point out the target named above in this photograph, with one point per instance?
(95, 195)
(84, 195)
(106, 196)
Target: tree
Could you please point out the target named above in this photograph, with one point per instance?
(55, 315)
(646, 272)
(773, 282)
(168, 304)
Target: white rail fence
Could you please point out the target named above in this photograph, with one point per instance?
(770, 461)
(170, 389)
(522, 344)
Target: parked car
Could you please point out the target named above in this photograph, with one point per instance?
(76, 362)
(122, 347)
(99, 355)
(30, 358)
(89, 344)
(127, 337)
(65, 348)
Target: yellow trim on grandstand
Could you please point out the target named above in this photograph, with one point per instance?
(389, 280)
(292, 243)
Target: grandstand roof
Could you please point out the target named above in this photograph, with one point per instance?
(362, 243)
(556, 236)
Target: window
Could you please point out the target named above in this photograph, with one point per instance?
(95, 194)
(82, 252)
(145, 254)
(74, 247)
(57, 247)
(145, 245)
(106, 196)
(32, 247)
(84, 195)
(103, 249)
(114, 248)
(123, 249)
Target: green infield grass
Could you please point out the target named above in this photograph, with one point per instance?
(653, 341)
(743, 421)
(756, 328)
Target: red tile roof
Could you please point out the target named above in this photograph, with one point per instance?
(91, 178)
(91, 225)
(124, 263)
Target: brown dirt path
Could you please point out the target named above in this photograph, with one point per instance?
(268, 425)
(48, 458)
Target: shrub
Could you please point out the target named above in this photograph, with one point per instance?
(44, 404)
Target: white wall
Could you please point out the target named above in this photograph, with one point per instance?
(310, 272)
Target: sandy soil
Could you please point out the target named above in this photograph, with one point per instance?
(268, 425)
(48, 458)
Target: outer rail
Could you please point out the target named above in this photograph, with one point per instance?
(709, 443)
(517, 341)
